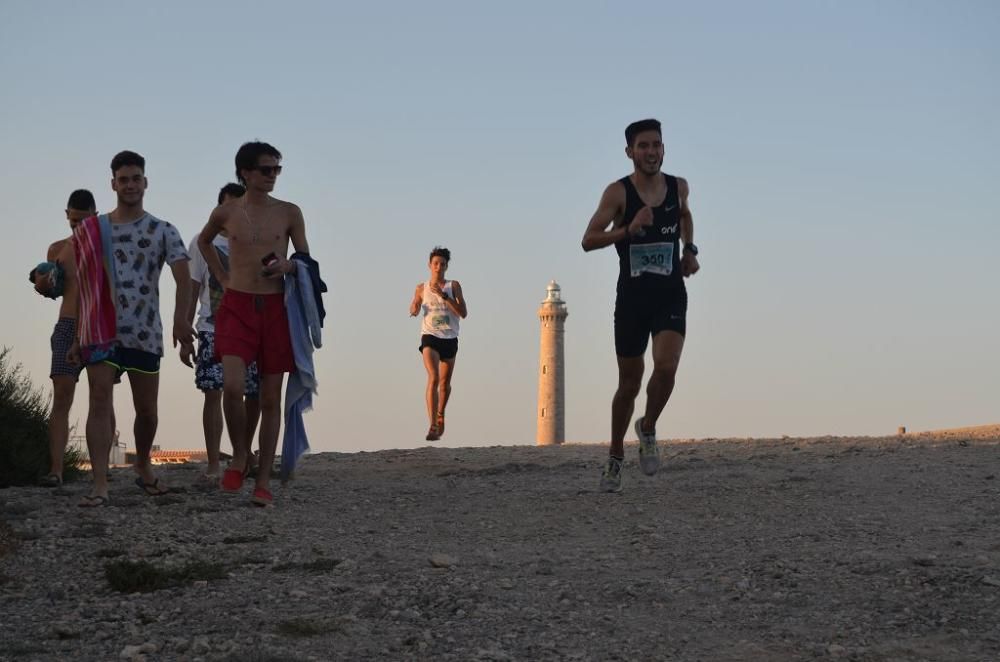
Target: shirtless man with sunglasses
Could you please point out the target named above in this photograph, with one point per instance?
(252, 323)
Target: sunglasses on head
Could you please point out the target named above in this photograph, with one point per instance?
(267, 171)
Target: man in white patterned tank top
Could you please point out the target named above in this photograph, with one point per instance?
(442, 305)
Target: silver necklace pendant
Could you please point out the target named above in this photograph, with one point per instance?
(254, 231)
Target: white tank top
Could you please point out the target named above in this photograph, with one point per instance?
(438, 318)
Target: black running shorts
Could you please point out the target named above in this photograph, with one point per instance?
(637, 317)
(446, 348)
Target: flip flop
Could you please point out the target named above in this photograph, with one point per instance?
(93, 502)
(50, 480)
(151, 489)
(432, 434)
(232, 480)
(262, 497)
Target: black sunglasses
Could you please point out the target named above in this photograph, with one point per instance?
(268, 170)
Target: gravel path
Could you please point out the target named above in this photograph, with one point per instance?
(791, 549)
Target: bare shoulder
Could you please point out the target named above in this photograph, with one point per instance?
(615, 192)
(223, 212)
(55, 248)
(613, 200)
(682, 187)
(66, 254)
(455, 283)
(288, 209)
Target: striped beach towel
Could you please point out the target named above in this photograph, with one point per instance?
(98, 321)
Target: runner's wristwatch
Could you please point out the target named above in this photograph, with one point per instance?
(691, 248)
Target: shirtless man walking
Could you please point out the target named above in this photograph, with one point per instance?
(64, 376)
(252, 322)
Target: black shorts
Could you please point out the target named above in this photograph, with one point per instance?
(126, 359)
(637, 317)
(446, 348)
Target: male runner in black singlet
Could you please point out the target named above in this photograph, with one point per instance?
(649, 216)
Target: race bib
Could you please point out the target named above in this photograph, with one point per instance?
(651, 259)
(439, 321)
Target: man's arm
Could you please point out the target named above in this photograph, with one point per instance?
(55, 249)
(187, 349)
(297, 231)
(193, 305)
(689, 262)
(216, 223)
(42, 283)
(609, 209)
(67, 258)
(457, 301)
(418, 298)
(198, 270)
(297, 235)
(183, 331)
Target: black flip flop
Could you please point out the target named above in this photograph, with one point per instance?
(93, 502)
(50, 480)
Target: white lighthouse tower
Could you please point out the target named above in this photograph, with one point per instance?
(551, 376)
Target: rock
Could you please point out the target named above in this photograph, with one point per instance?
(991, 581)
(129, 652)
(439, 560)
(64, 630)
(200, 645)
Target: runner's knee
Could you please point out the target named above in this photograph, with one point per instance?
(629, 387)
(665, 369)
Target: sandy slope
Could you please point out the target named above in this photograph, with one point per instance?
(850, 548)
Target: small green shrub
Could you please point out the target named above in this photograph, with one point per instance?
(24, 429)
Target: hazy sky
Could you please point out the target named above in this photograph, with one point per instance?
(842, 158)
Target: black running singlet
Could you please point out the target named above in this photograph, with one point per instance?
(651, 262)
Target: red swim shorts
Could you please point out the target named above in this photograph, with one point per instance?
(254, 327)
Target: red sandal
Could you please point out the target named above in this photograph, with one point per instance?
(232, 480)
(262, 497)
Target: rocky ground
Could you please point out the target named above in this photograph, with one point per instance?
(791, 549)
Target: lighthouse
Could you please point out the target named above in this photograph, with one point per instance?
(551, 374)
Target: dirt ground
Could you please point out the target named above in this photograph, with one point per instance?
(766, 549)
